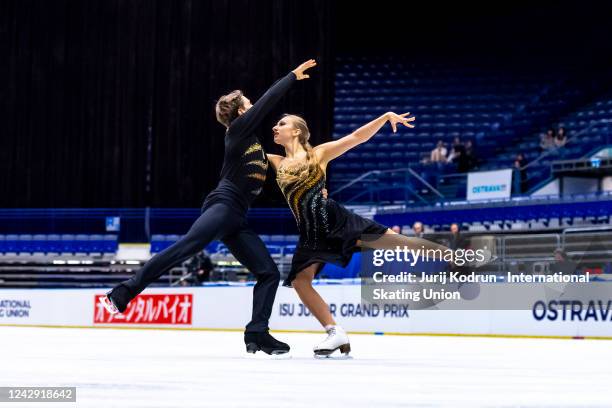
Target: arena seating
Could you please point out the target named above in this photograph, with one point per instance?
(502, 112)
(91, 260)
(545, 214)
(588, 129)
(54, 244)
(273, 242)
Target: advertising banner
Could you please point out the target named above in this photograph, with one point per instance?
(486, 185)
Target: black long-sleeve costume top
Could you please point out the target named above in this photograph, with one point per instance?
(245, 163)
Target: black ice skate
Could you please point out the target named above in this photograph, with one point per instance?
(263, 341)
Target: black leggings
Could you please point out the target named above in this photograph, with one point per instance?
(219, 221)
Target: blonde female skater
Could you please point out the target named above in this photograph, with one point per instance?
(328, 231)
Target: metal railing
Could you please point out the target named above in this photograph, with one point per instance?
(558, 241)
(372, 185)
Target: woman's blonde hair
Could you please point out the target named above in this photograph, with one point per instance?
(300, 124)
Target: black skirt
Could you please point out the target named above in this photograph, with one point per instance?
(345, 228)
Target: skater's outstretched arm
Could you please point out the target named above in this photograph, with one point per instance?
(326, 152)
(246, 123)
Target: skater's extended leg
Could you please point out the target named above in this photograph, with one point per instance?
(251, 252)
(391, 239)
(211, 224)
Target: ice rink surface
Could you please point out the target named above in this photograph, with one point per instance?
(170, 368)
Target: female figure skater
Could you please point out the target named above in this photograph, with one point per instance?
(224, 214)
(328, 231)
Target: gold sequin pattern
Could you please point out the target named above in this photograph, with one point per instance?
(257, 176)
(259, 163)
(252, 148)
(302, 187)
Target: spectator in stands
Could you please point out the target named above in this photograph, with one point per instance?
(455, 149)
(396, 228)
(470, 155)
(519, 174)
(547, 141)
(417, 228)
(200, 267)
(561, 138)
(456, 240)
(438, 155)
(458, 156)
(563, 263)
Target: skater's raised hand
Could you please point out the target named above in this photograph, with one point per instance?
(327, 152)
(299, 71)
(394, 119)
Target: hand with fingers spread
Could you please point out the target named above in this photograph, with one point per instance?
(299, 71)
(394, 119)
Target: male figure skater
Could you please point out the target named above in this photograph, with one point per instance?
(224, 214)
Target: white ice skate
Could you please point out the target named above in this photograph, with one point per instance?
(336, 340)
(108, 304)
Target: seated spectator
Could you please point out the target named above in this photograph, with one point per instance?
(547, 141)
(458, 155)
(397, 229)
(456, 240)
(417, 228)
(561, 138)
(199, 268)
(438, 155)
(470, 155)
(563, 263)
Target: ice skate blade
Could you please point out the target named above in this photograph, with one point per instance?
(345, 349)
(264, 356)
(108, 305)
(253, 348)
(333, 357)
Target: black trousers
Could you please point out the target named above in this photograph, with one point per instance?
(220, 221)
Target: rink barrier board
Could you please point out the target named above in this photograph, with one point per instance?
(495, 336)
(228, 308)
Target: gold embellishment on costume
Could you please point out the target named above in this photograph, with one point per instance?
(257, 176)
(259, 163)
(301, 185)
(252, 148)
(308, 184)
(294, 191)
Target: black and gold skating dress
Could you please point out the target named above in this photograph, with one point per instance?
(328, 231)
